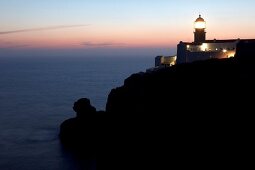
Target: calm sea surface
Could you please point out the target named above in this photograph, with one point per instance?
(37, 94)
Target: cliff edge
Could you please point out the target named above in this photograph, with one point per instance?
(202, 86)
(189, 115)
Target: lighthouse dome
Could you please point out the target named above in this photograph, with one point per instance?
(200, 19)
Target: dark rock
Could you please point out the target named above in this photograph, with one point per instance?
(79, 134)
(190, 115)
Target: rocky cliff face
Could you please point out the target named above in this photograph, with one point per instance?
(200, 86)
(205, 84)
(191, 115)
(194, 113)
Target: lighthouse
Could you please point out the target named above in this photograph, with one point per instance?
(203, 49)
(199, 33)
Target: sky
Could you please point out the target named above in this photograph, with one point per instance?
(116, 27)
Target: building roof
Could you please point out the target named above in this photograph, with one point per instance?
(221, 41)
(218, 41)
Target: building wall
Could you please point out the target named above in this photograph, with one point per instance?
(188, 52)
(169, 60)
(158, 61)
(220, 46)
(181, 53)
(211, 47)
(165, 61)
(202, 55)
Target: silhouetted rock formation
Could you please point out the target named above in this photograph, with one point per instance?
(189, 115)
(198, 85)
(79, 134)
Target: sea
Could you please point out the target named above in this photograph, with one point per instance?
(37, 95)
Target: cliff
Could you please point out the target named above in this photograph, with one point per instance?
(198, 86)
(188, 115)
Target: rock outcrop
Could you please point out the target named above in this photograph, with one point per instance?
(80, 134)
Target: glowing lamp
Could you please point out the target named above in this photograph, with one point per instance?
(200, 23)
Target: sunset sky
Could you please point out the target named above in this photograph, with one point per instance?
(116, 27)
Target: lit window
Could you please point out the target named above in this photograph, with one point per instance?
(204, 47)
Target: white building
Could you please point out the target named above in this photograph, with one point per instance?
(165, 61)
(202, 49)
